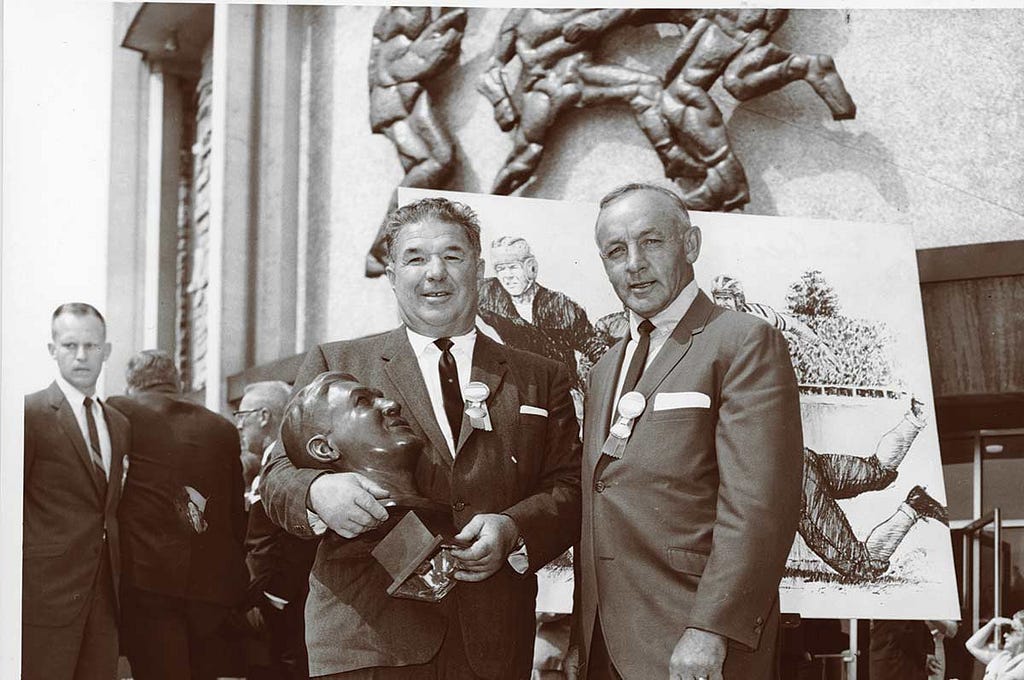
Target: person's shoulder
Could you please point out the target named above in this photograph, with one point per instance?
(355, 345)
(37, 400)
(740, 324)
(524, 359)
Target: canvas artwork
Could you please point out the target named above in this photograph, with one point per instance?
(873, 539)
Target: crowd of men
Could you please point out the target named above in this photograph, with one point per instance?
(682, 499)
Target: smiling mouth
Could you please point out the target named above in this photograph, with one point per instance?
(437, 295)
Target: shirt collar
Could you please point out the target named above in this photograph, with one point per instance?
(668, 318)
(74, 395)
(460, 343)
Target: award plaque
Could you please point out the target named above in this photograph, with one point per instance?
(418, 561)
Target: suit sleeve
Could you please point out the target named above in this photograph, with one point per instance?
(283, 487)
(30, 445)
(549, 518)
(759, 447)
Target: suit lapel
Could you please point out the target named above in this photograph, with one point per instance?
(677, 345)
(67, 421)
(403, 370)
(490, 363)
(604, 381)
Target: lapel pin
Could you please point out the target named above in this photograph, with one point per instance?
(631, 405)
(476, 394)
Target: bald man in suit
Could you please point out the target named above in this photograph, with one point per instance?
(74, 445)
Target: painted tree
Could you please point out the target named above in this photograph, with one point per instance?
(812, 295)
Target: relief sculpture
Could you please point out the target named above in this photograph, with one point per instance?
(543, 62)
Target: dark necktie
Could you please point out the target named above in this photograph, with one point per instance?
(451, 392)
(94, 440)
(636, 365)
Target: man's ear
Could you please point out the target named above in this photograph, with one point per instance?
(692, 241)
(53, 349)
(321, 450)
(264, 416)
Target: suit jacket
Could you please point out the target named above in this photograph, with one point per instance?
(211, 464)
(278, 562)
(155, 544)
(691, 528)
(65, 514)
(527, 467)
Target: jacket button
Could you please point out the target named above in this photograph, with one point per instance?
(759, 620)
(600, 486)
(459, 505)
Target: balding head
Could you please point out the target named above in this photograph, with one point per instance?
(259, 414)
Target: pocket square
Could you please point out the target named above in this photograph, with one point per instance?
(668, 400)
(533, 411)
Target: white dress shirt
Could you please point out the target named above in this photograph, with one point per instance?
(76, 398)
(664, 322)
(428, 355)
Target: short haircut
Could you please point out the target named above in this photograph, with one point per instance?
(298, 424)
(151, 368)
(77, 309)
(442, 209)
(269, 394)
(626, 189)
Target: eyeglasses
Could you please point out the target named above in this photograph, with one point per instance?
(240, 415)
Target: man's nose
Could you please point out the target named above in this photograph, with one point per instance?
(635, 260)
(81, 353)
(436, 268)
(387, 406)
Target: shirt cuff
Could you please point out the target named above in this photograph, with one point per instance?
(519, 559)
(318, 526)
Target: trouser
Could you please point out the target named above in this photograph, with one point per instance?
(86, 648)
(823, 524)
(154, 634)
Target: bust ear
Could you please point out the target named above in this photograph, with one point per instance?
(321, 450)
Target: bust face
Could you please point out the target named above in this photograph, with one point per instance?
(366, 427)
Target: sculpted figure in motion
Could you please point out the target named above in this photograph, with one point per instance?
(558, 71)
(410, 47)
(676, 112)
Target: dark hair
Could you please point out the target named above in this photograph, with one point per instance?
(297, 420)
(150, 368)
(77, 309)
(432, 208)
(626, 189)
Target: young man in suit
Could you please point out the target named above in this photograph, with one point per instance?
(513, 489)
(209, 448)
(74, 446)
(689, 513)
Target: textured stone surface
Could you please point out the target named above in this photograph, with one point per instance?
(936, 145)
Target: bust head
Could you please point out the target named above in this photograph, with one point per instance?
(336, 423)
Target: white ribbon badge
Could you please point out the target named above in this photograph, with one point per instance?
(631, 405)
(476, 394)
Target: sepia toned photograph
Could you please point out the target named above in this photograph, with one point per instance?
(361, 340)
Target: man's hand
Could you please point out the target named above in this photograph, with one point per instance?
(489, 539)
(347, 502)
(932, 664)
(698, 655)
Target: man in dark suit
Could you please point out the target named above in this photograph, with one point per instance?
(155, 548)
(74, 445)
(208, 448)
(692, 466)
(513, 489)
(278, 562)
